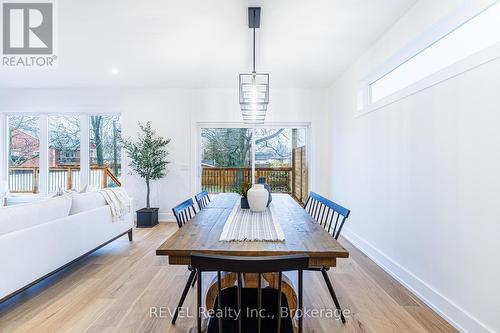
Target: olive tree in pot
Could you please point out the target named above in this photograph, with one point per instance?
(148, 158)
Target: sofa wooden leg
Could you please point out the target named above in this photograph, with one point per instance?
(130, 235)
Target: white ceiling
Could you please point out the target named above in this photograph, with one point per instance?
(201, 43)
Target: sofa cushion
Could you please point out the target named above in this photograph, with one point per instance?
(86, 201)
(17, 217)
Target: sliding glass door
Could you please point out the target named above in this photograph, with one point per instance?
(274, 156)
(227, 157)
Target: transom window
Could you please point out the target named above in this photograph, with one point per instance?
(470, 32)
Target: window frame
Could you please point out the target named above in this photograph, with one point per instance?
(44, 142)
(463, 14)
(196, 170)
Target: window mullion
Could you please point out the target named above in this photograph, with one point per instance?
(4, 149)
(44, 155)
(84, 151)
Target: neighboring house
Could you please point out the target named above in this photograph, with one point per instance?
(263, 159)
(63, 157)
(208, 164)
(269, 158)
(25, 151)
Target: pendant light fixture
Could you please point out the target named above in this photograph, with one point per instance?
(254, 87)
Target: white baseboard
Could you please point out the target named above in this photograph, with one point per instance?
(450, 311)
(166, 217)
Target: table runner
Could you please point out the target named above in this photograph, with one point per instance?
(243, 225)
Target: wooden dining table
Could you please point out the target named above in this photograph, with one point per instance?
(303, 235)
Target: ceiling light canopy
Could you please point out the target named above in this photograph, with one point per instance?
(254, 87)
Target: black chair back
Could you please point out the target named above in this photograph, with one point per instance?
(328, 214)
(202, 199)
(218, 263)
(184, 212)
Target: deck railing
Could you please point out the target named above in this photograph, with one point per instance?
(218, 180)
(26, 180)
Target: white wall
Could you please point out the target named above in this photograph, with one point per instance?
(421, 177)
(174, 112)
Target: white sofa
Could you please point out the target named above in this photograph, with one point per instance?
(40, 238)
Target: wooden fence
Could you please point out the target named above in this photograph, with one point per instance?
(218, 180)
(300, 174)
(26, 180)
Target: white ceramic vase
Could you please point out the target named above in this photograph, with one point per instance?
(257, 198)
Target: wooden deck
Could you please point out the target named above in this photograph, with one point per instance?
(114, 289)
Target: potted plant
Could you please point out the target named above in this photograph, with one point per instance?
(148, 158)
(243, 190)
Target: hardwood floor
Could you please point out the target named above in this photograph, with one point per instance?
(114, 289)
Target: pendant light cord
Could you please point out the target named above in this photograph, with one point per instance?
(254, 43)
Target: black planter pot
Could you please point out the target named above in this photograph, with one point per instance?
(244, 203)
(147, 217)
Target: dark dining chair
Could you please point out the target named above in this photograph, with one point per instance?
(261, 299)
(202, 199)
(331, 217)
(184, 212)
